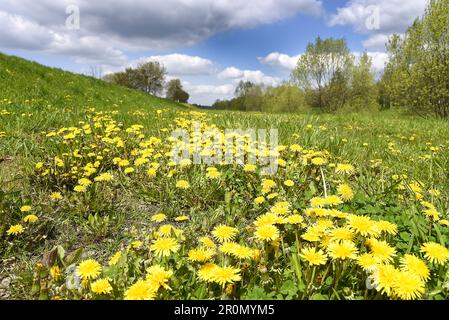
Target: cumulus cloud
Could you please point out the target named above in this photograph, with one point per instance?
(378, 18)
(181, 64)
(280, 60)
(202, 89)
(206, 94)
(255, 76)
(133, 25)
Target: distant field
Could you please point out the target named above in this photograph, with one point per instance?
(92, 207)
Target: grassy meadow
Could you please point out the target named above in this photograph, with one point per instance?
(92, 207)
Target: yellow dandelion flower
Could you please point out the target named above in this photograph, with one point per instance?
(164, 246)
(444, 222)
(413, 264)
(101, 286)
(318, 202)
(207, 271)
(435, 252)
(363, 225)
(181, 218)
(165, 230)
(333, 200)
(295, 148)
(213, 174)
(129, 170)
(200, 254)
(318, 161)
(158, 217)
(151, 172)
(225, 275)
(295, 219)
(182, 184)
(84, 182)
(31, 218)
(207, 242)
(342, 250)
(224, 233)
(88, 269)
(136, 244)
(343, 168)
(408, 286)
(280, 208)
(141, 161)
(381, 250)
(158, 276)
(56, 196)
(141, 290)
(79, 189)
(272, 195)
(342, 233)
(55, 273)
(432, 214)
(313, 234)
(267, 218)
(115, 258)
(313, 257)
(387, 227)
(268, 184)
(123, 163)
(242, 252)
(345, 192)
(367, 261)
(228, 247)
(15, 230)
(289, 183)
(26, 208)
(249, 168)
(259, 200)
(266, 232)
(385, 278)
(104, 177)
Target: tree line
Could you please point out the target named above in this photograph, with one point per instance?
(329, 78)
(150, 77)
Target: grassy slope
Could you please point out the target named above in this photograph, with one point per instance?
(50, 98)
(61, 95)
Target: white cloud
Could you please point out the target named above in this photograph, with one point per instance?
(202, 89)
(255, 76)
(21, 33)
(376, 42)
(181, 64)
(134, 25)
(280, 60)
(394, 16)
(207, 94)
(230, 73)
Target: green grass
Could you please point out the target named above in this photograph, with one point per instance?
(391, 152)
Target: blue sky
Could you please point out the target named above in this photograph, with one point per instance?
(210, 45)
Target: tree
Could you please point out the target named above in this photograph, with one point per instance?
(417, 75)
(151, 77)
(148, 77)
(175, 91)
(243, 88)
(284, 98)
(364, 91)
(325, 66)
(127, 78)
